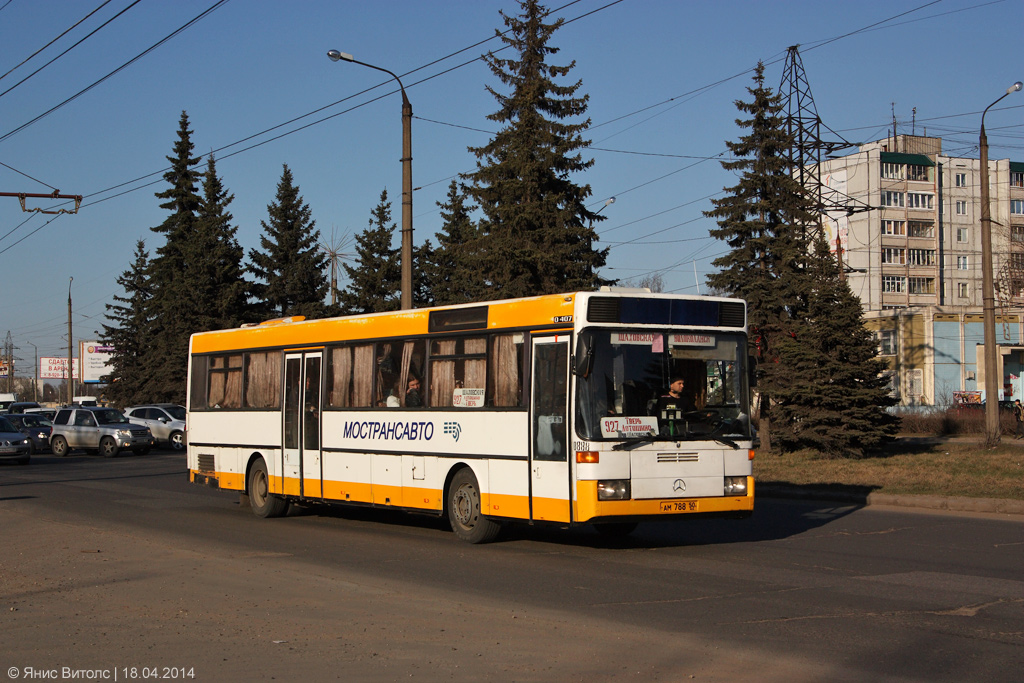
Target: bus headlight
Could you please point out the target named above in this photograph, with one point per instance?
(735, 486)
(613, 489)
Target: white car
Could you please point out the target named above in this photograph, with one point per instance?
(165, 420)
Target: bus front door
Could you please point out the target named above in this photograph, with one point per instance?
(302, 467)
(549, 443)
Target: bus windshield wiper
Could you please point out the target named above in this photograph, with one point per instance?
(634, 443)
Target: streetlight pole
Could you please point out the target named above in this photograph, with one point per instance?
(992, 374)
(335, 56)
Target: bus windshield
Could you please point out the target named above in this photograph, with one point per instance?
(625, 382)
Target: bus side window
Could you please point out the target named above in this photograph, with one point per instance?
(225, 374)
(411, 373)
(349, 379)
(387, 359)
(197, 396)
(456, 364)
(505, 388)
(263, 380)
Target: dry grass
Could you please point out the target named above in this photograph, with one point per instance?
(911, 465)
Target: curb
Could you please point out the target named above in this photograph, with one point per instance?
(1005, 506)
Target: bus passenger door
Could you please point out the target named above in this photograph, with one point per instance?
(302, 468)
(549, 443)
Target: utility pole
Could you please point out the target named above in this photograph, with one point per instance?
(35, 384)
(9, 360)
(70, 374)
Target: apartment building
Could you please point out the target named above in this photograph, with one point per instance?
(911, 251)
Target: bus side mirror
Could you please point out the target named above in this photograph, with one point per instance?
(584, 359)
(752, 371)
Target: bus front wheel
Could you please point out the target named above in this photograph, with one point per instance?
(262, 501)
(464, 510)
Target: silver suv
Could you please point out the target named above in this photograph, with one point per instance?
(97, 429)
(165, 420)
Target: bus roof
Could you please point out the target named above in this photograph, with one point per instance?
(551, 311)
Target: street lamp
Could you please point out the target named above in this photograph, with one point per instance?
(992, 374)
(335, 56)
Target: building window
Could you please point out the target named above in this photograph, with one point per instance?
(961, 208)
(919, 200)
(961, 290)
(1017, 260)
(1017, 207)
(1017, 233)
(921, 257)
(962, 234)
(1017, 179)
(921, 229)
(890, 198)
(915, 384)
(921, 285)
(961, 180)
(892, 171)
(894, 227)
(894, 284)
(886, 342)
(917, 172)
(962, 263)
(894, 256)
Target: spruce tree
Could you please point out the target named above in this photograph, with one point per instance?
(761, 218)
(128, 333)
(171, 313)
(422, 283)
(291, 267)
(220, 291)
(537, 234)
(836, 396)
(375, 280)
(455, 272)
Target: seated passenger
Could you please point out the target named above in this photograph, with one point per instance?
(412, 394)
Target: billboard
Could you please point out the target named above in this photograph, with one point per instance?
(95, 361)
(53, 367)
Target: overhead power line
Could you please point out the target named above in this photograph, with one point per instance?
(72, 27)
(115, 71)
(64, 52)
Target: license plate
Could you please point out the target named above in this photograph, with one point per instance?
(679, 506)
(8, 451)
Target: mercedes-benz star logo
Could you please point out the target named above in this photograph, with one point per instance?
(679, 485)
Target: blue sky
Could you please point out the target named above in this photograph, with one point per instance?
(662, 77)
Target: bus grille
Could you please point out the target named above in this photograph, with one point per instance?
(678, 457)
(207, 463)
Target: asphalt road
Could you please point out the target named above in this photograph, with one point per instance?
(117, 567)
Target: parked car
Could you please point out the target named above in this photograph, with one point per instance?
(165, 420)
(36, 427)
(13, 444)
(48, 413)
(97, 429)
(21, 407)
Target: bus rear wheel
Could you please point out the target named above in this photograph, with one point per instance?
(262, 502)
(464, 510)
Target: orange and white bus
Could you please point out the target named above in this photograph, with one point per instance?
(549, 409)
